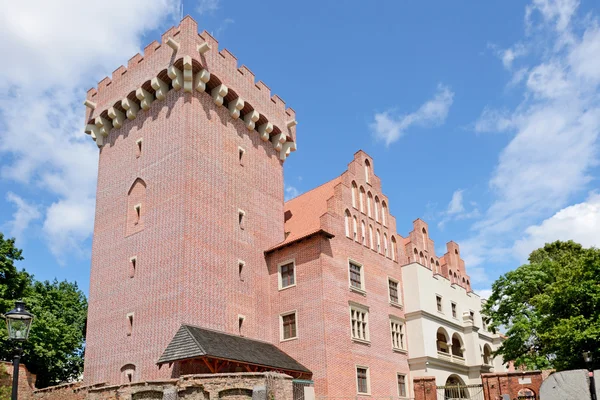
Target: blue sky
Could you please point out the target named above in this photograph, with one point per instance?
(482, 118)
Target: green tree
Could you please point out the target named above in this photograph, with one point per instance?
(54, 351)
(550, 308)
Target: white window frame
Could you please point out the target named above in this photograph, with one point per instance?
(356, 367)
(399, 289)
(402, 323)
(285, 314)
(455, 314)
(362, 289)
(441, 303)
(356, 307)
(279, 280)
(406, 389)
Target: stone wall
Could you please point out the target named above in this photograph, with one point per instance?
(26, 379)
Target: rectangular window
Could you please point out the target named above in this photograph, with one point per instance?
(359, 319)
(241, 219)
(362, 380)
(472, 314)
(241, 265)
(287, 275)
(393, 288)
(397, 335)
(454, 310)
(401, 385)
(288, 326)
(438, 301)
(355, 275)
(132, 265)
(129, 324)
(138, 213)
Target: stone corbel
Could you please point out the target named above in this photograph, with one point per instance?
(286, 149)
(187, 74)
(278, 141)
(218, 93)
(94, 132)
(131, 108)
(292, 123)
(117, 117)
(250, 119)
(104, 126)
(160, 87)
(235, 106)
(173, 44)
(201, 78)
(264, 130)
(145, 97)
(176, 77)
(203, 48)
(89, 104)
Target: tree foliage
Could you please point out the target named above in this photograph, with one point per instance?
(550, 308)
(54, 351)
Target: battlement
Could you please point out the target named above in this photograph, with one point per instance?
(189, 62)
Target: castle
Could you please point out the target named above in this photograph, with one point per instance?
(199, 266)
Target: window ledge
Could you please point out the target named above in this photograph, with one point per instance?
(398, 305)
(357, 290)
(361, 341)
(401, 351)
(289, 339)
(287, 287)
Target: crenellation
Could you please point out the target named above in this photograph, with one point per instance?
(104, 82)
(247, 73)
(170, 33)
(134, 61)
(117, 73)
(210, 40)
(263, 88)
(151, 48)
(278, 101)
(229, 59)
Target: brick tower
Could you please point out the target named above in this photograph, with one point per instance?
(190, 194)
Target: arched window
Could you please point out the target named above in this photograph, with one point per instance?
(363, 232)
(416, 255)
(432, 264)
(424, 233)
(455, 278)
(394, 249)
(385, 245)
(355, 228)
(136, 207)
(455, 388)
(378, 242)
(442, 341)
(422, 258)
(369, 204)
(128, 373)
(383, 213)
(487, 355)
(450, 276)
(464, 280)
(347, 222)
(457, 346)
(377, 205)
(456, 251)
(354, 193)
(468, 285)
(371, 236)
(361, 199)
(367, 170)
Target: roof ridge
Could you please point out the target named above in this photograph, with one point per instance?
(187, 329)
(315, 188)
(223, 333)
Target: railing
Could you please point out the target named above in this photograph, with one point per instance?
(444, 355)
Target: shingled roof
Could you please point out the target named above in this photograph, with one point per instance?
(194, 342)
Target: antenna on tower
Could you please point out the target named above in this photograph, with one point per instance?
(181, 16)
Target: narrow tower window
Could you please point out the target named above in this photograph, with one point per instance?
(132, 266)
(241, 319)
(129, 324)
(241, 153)
(241, 265)
(242, 219)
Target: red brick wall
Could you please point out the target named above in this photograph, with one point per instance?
(497, 384)
(425, 388)
(188, 250)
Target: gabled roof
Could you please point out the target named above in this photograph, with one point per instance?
(194, 342)
(302, 214)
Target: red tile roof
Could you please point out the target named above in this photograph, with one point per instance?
(302, 214)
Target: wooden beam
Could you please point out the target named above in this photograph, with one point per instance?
(210, 367)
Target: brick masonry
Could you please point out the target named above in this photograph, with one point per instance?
(425, 388)
(510, 383)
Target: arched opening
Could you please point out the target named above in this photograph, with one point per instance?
(457, 346)
(354, 193)
(456, 251)
(432, 264)
(383, 213)
(487, 355)
(367, 170)
(442, 341)
(422, 258)
(377, 205)
(455, 278)
(127, 373)
(385, 245)
(347, 222)
(355, 228)
(451, 277)
(363, 232)
(378, 241)
(416, 254)
(371, 237)
(437, 267)
(369, 204)
(424, 235)
(361, 199)
(455, 388)
(394, 248)
(136, 207)
(526, 394)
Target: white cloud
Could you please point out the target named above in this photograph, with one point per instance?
(207, 6)
(59, 55)
(484, 293)
(556, 133)
(509, 55)
(23, 215)
(579, 222)
(389, 128)
(456, 204)
(290, 192)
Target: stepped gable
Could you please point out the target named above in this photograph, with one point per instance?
(188, 61)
